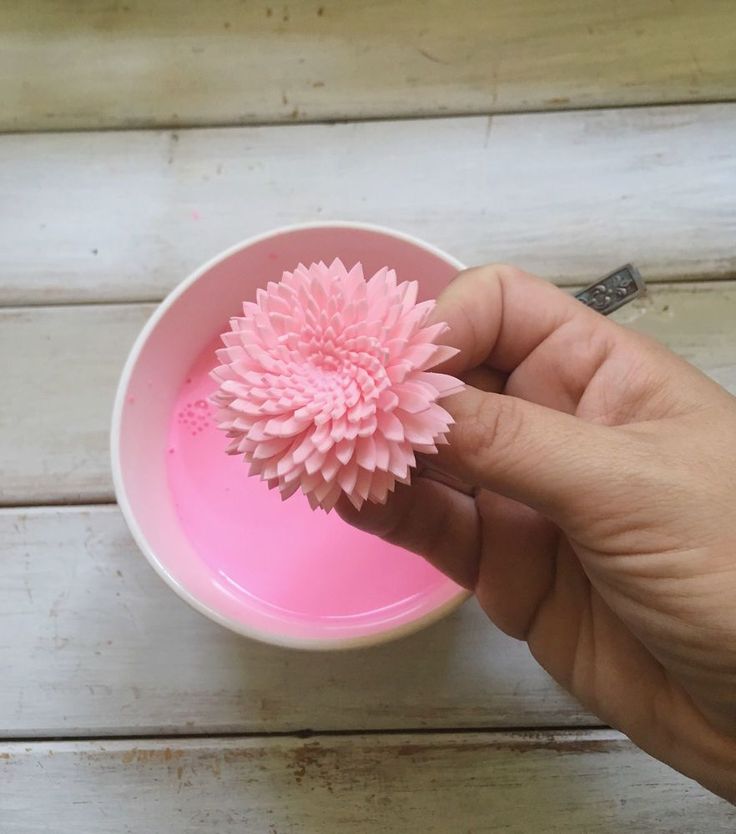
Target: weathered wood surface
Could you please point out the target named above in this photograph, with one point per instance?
(94, 64)
(64, 364)
(59, 374)
(127, 215)
(591, 782)
(94, 644)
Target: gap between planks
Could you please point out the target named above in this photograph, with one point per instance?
(576, 782)
(500, 733)
(174, 127)
(707, 279)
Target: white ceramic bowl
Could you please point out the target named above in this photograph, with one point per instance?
(326, 557)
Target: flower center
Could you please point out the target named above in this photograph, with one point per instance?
(326, 361)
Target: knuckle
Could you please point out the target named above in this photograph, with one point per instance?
(492, 428)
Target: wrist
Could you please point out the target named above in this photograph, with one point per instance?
(688, 742)
(713, 760)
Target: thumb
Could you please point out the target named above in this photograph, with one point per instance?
(547, 459)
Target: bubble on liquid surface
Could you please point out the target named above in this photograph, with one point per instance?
(196, 416)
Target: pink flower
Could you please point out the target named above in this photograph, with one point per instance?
(324, 383)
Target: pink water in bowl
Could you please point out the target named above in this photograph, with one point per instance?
(308, 570)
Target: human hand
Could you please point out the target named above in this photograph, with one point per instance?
(602, 529)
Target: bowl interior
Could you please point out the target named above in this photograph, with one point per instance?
(276, 571)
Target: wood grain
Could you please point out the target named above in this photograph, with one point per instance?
(58, 388)
(94, 644)
(93, 63)
(562, 783)
(127, 215)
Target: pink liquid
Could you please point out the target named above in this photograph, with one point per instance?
(281, 555)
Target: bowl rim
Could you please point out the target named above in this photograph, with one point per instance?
(269, 637)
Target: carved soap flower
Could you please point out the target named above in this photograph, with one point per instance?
(325, 384)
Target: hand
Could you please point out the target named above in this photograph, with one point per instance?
(602, 529)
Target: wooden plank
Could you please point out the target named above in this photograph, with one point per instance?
(562, 783)
(94, 644)
(63, 365)
(54, 417)
(168, 62)
(126, 216)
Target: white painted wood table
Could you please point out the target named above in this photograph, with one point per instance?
(122, 710)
